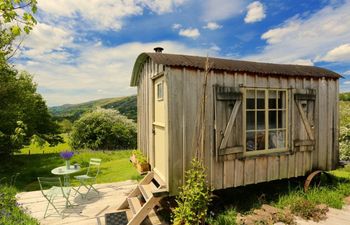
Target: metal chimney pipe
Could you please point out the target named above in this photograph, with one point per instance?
(158, 49)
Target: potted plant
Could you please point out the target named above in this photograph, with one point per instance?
(140, 161)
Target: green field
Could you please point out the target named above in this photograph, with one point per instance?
(33, 149)
(115, 165)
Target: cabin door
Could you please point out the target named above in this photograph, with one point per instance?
(160, 161)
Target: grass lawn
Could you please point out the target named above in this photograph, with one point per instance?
(115, 165)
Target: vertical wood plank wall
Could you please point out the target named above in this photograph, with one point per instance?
(183, 106)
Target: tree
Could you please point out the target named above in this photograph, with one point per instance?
(23, 112)
(16, 17)
(103, 129)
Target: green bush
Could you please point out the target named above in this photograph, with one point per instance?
(193, 198)
(103, 129)
(344, 138)
(11, 212)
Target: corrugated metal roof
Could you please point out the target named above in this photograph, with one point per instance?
(198, 62)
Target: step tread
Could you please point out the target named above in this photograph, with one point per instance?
(146, 191)
(134, 204)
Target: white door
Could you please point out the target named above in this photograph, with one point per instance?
(160, 161)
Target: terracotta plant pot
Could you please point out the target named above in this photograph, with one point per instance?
(143, 167)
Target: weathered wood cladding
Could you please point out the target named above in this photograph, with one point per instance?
(184, 90)
(232, 170)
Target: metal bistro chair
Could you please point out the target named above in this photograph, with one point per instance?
(89, 179)
(55, 190)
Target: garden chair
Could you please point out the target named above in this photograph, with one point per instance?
(55, 189)
(89, 179)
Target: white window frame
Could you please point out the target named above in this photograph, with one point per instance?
(266, 110)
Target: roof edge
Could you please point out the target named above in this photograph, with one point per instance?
(141, 59)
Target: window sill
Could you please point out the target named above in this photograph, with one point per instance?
(266, 153)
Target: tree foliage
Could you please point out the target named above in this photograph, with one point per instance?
(16, 17)
(103, 129)
(23, 112)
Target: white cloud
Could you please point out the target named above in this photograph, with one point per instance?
(307, 38)
(190, 33)
(103, 15)
(212, 26)
(347, 72)
(215, 10)
(255, 12)
(46, 39)
(97, 71)
(338, 54)
(305, 62)
(277, 35)
(177, 26)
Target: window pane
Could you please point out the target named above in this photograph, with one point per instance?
(260, 140)
(277, 139)
(250, 101)
(281, 119)
(272, 100)
(160, 91)
(260, 101)
(282, 100)
(250, 120)
(250, 141)
(272, 139)
(261, 120)
(273, 119)
(281, 139)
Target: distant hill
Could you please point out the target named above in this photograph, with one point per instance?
(125, 105)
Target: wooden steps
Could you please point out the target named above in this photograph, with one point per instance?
(144, 197)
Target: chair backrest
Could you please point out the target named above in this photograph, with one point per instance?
(94, 167)
(48, 182)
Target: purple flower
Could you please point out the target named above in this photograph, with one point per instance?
(66, 155)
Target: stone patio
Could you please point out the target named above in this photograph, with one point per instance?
(87, 211)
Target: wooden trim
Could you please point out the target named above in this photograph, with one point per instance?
(231, 150)
(157, 75)
(310, 97)
(305, 121)
(304, 143)
(265, 152)
(228, 96)
(230, 123)
(159, 124)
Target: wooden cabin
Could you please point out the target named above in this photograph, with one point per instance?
(264, 121)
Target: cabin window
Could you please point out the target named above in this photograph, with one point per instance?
(160, 91)
(266, 120)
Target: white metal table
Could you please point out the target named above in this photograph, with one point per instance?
(63, 171)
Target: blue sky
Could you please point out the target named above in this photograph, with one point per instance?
(85, 49)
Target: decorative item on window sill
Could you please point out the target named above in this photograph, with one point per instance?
(67, 155)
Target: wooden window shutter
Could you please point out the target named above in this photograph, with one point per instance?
(227, 121)
(304, 120)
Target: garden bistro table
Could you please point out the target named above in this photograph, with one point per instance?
(63, 171)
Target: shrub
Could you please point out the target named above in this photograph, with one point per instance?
(10, 211)
(103, 129)
(139, 156)
(193, 198)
